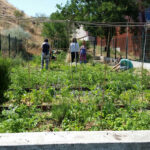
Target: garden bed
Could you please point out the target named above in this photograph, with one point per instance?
(86, 97)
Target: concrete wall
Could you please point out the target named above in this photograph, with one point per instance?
(102, 140)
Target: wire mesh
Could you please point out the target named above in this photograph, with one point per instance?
(11, 46)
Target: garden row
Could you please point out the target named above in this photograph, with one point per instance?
(87, 97)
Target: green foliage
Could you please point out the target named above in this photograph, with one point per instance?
(56, 31)
(18, 61)
(61, 57)
(38, 96)
(19, 119)
(104, 11)
(4, 77)
(78, 115)
(86, 97)
(145, 79)
(59, 112)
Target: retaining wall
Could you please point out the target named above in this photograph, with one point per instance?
(101, 140)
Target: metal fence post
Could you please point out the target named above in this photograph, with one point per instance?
(101, 47)
(94, 43)
(9, 44)
(115, 48)
(16, 45)
(144, 41)
(113, 44)
(127, 43)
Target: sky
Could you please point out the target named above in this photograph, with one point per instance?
(33, 7)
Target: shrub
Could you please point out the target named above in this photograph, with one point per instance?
(4, 77)
(18, 14)
(17, 32)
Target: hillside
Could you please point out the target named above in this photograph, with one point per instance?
(6, 8)
(8, 20)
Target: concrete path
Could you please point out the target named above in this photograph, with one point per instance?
(94, 140)
(137, 64)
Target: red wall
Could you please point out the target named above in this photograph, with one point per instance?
(134, 43)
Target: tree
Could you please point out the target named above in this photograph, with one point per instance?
(102, 11)
(56, 31)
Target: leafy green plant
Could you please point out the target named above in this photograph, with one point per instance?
(19, 119)
(4, 77)
(59, 112)
(78, 115)
(39, 96)
(86, 97)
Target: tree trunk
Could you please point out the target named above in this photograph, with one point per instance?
(110, 32)
(108, 41)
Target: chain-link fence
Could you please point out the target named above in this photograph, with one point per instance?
(124, 46)
(10, 46)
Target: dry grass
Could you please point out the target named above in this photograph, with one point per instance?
(6, 10)
(68, 58)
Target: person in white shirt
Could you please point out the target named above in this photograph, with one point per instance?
(74, 49)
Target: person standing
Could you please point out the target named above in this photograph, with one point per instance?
(45, 53)
(83, 53)
(74, 49)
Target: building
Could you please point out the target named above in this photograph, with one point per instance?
(81, 34)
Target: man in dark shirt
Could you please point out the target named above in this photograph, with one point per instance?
(45, 53)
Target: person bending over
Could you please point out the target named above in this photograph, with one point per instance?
(124, 64)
